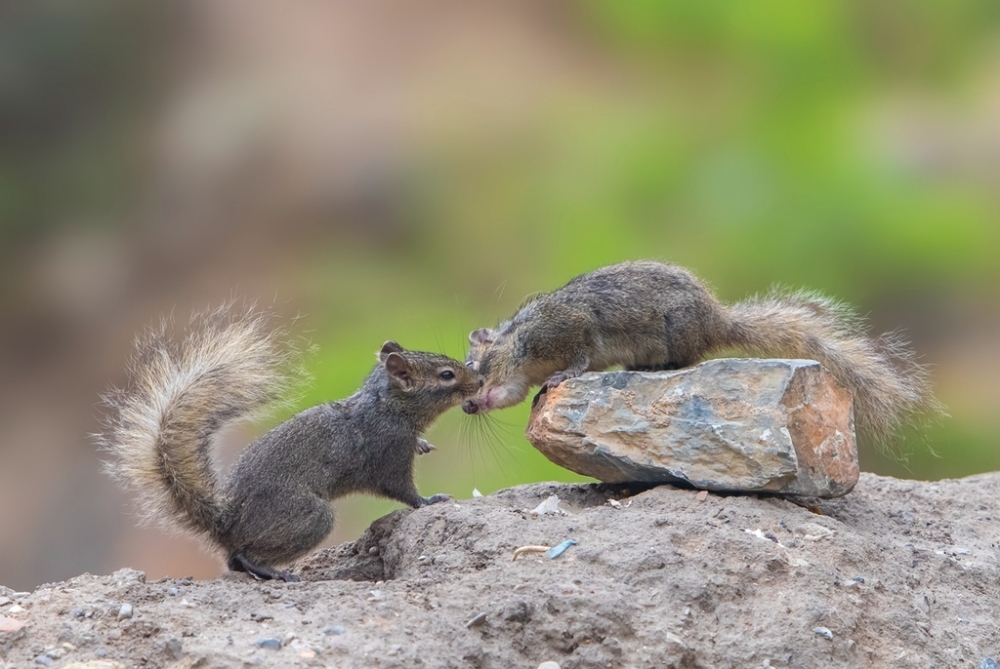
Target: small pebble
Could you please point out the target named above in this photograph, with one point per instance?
(125, 612)
(55, 653)
(989, 663)
(270, 644)
(307, 654)
(288, 638)
(4, 601)
(44, 660)
(549, 665)
(477, 621)
(476, 493)
(175, 649)
(10, 624)
(173, 592)
(16, 608)
(333, 630)
(373, 550)
(822, 631)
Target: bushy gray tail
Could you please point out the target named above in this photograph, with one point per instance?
(890, 388)
(229, 365)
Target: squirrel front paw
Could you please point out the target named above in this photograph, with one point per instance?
(424, 446)
(558, 378)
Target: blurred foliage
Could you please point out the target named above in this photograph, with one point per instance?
(749, 140)
(746, 147)
(75, 78)
(746, 151)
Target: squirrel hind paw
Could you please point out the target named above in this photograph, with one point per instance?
(239, 562)
(436, 499)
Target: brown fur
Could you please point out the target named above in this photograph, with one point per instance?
(647, 315)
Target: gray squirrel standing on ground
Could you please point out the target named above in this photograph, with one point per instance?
(650, 316)
(274, 504)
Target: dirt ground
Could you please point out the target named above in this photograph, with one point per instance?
(895, 574)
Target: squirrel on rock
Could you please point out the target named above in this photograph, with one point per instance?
(649, 316)
(273, 506)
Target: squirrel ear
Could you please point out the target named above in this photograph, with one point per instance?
(482, 336)
(398, 368)
(387, 348)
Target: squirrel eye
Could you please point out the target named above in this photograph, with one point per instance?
(447, 374)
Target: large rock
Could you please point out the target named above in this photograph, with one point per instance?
(752, 425)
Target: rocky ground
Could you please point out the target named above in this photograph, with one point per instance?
(895, 574)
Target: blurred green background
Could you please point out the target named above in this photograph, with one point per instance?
(383, 170)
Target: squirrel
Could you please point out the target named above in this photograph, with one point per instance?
(273, 506)
(649, 316)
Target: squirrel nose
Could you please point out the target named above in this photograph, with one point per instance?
(470, 407)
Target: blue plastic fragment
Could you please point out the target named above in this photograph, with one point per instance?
(989, 663)
(556, 551)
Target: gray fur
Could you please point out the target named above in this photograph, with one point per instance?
(273, 506)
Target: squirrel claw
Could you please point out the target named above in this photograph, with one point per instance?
(424, 446)
(435, 499)
(556, 379)
(239, 562)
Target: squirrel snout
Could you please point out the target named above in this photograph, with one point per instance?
(470, 407)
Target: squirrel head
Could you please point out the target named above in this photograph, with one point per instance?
(506, 377)
(433, 381)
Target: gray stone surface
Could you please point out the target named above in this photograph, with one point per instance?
(752, 425)
(902, 574)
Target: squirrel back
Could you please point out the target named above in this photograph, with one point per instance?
(647, 315)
